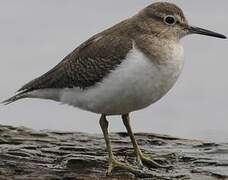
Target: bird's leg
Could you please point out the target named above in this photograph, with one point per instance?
(141, 158)
(113, 163)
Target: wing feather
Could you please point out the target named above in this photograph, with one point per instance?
(86, 65)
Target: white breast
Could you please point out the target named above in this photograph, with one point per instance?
(134, 85)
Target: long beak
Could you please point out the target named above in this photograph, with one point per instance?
(197, 30)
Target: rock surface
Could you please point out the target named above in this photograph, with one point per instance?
(26, 154)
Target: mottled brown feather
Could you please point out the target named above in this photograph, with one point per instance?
(89, 63)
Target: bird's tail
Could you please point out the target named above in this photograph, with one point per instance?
(15, 98)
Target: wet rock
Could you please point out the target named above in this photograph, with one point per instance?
(26, 154)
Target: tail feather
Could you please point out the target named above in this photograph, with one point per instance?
(14, 98)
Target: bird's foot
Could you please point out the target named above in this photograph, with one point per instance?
(113, 164)
(153, 161)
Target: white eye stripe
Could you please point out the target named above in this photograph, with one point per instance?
(170, 20)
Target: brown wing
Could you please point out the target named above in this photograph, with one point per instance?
(86, 65)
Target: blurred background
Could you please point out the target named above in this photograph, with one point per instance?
(36, 35)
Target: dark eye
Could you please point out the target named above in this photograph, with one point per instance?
(170, 20)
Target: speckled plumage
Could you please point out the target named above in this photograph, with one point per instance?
(86, 65)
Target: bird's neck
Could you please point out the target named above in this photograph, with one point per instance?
(160, 50)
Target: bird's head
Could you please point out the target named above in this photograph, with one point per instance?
(167, 20)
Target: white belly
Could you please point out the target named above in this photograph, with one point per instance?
(135, 84)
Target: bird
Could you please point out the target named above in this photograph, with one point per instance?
(120, 70)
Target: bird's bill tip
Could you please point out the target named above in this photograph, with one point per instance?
(197, 30)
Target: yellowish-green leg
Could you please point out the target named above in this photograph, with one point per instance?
(141, 158)
(112, 162)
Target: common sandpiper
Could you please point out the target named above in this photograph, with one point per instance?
(123, 69)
